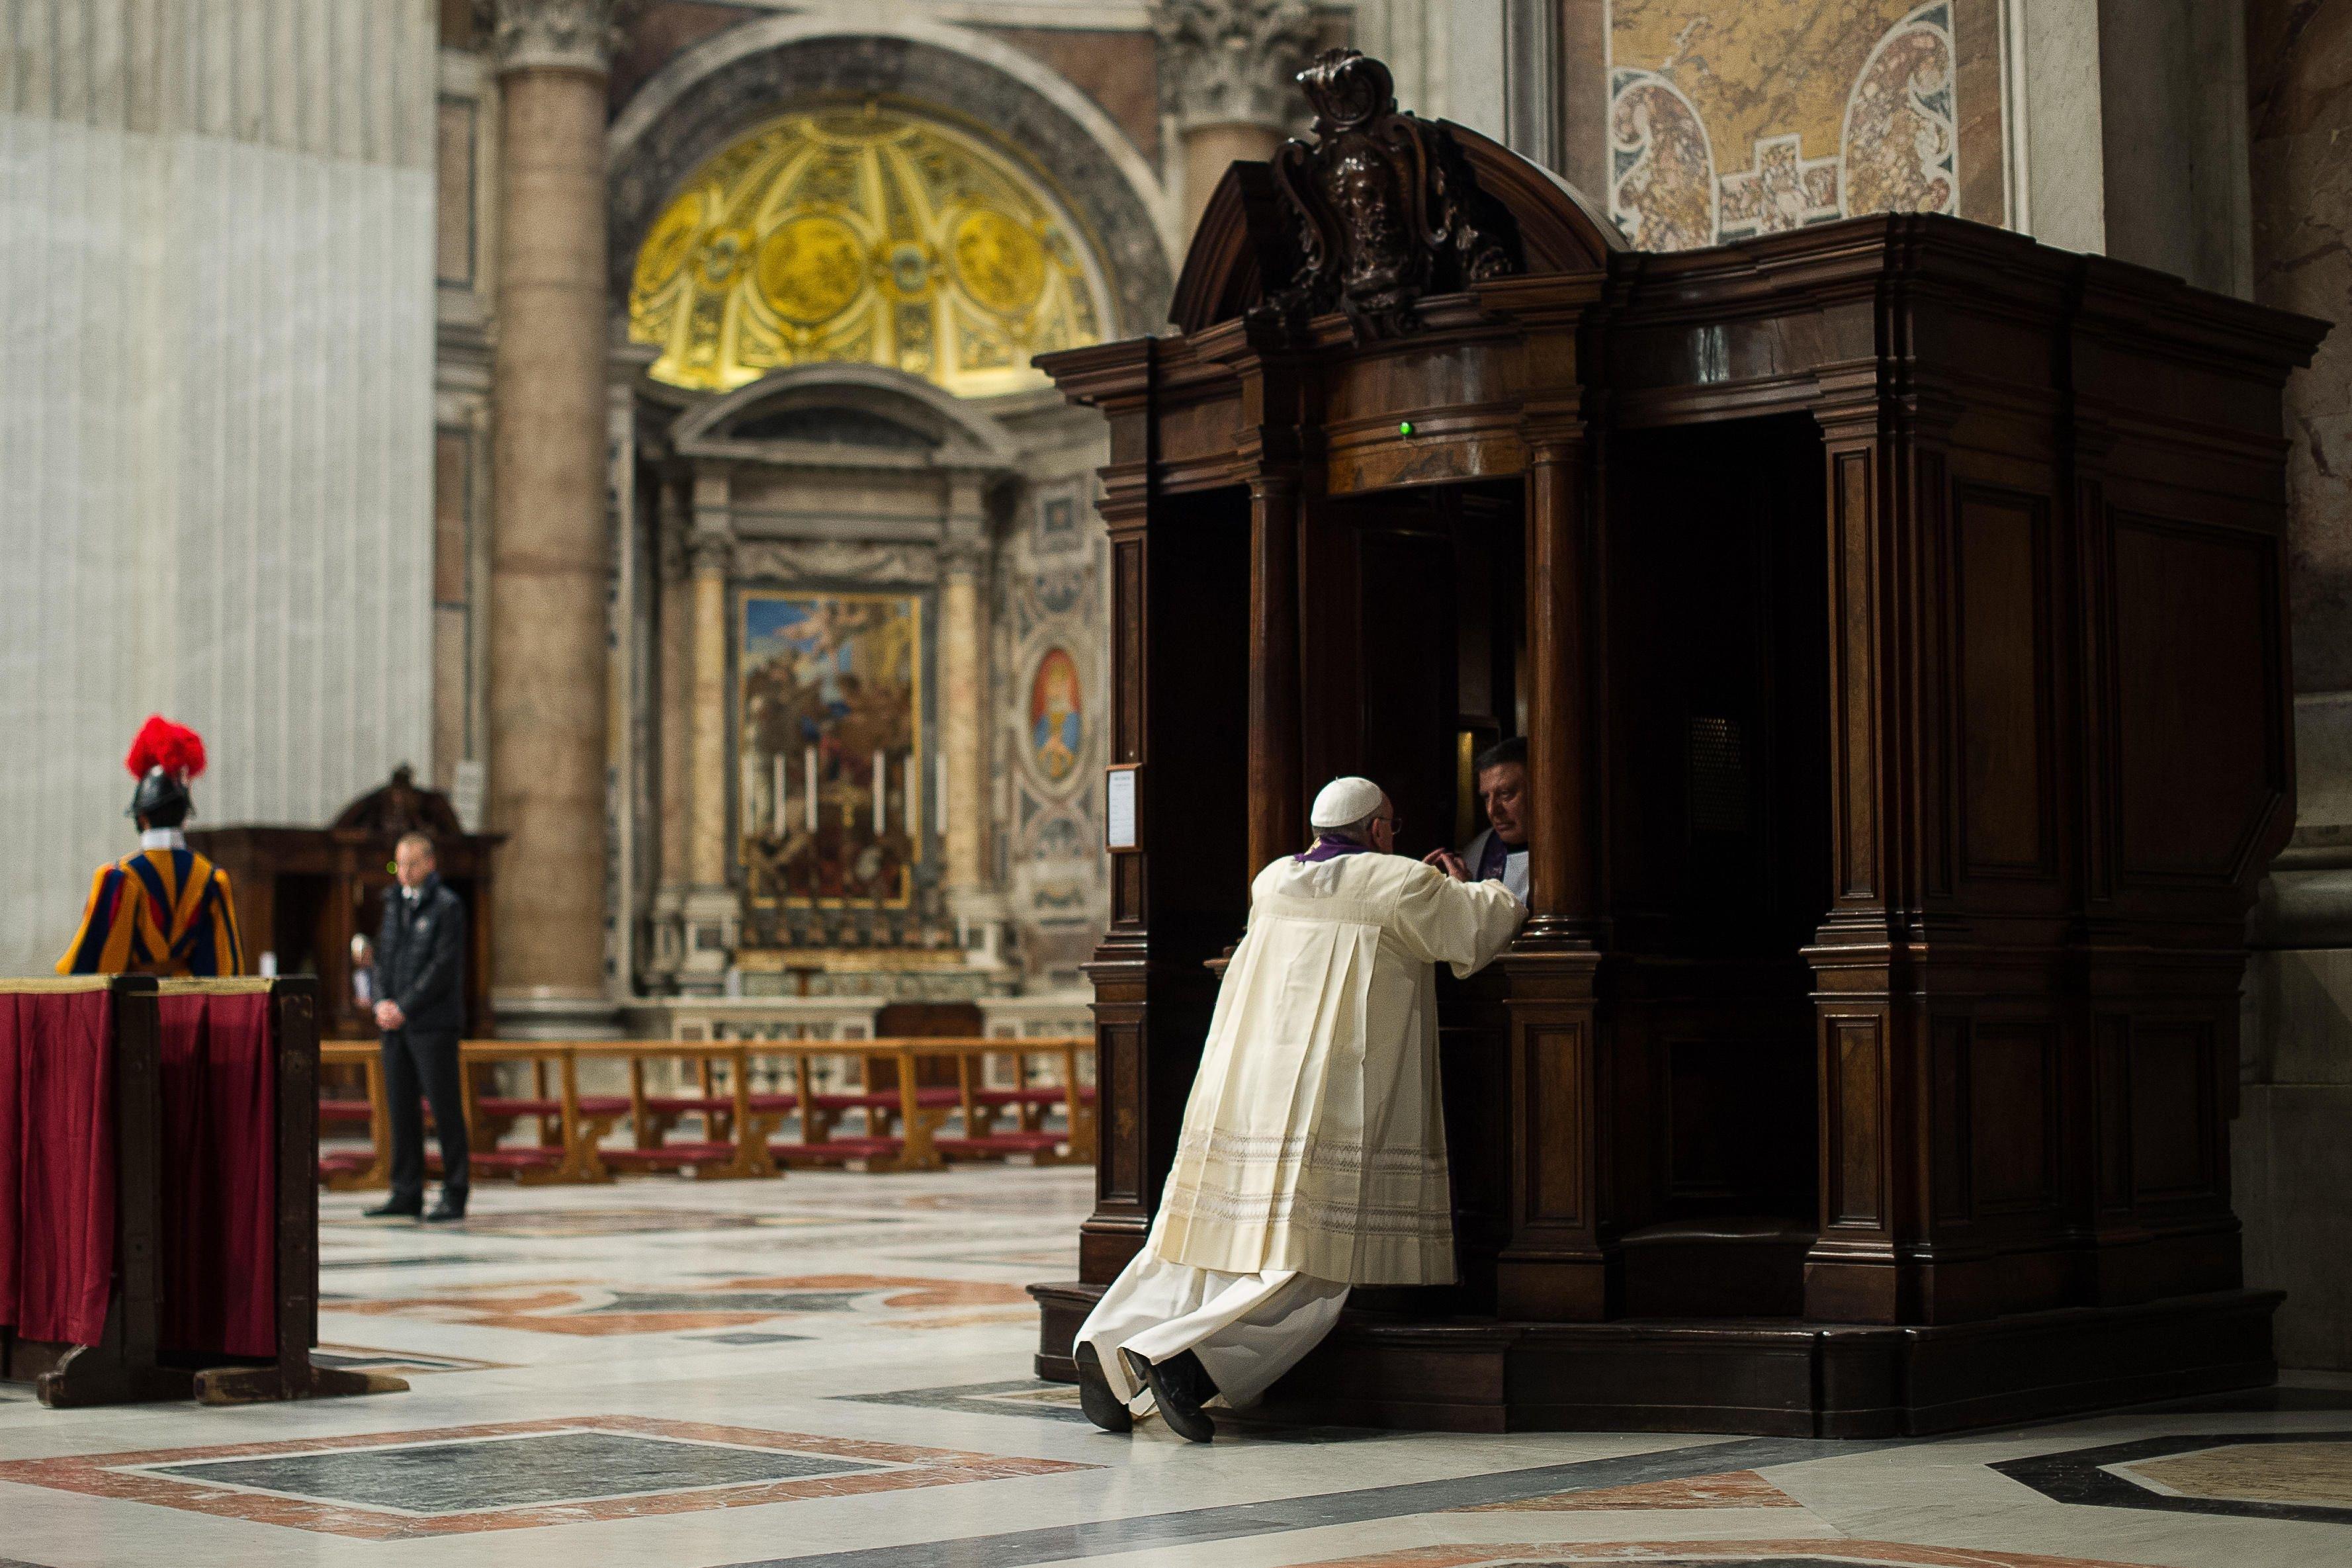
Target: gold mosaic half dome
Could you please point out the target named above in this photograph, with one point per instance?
(876, 234)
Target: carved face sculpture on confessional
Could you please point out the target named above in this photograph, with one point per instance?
(1363, 191)
(1056, 722)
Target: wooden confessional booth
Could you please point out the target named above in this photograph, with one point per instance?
(1894, 612)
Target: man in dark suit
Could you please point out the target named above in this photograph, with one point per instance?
(420, 955)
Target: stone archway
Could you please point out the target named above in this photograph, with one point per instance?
(716, 90)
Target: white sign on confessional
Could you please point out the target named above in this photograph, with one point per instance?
(1119, 830)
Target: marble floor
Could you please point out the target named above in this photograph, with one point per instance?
(834, 1369)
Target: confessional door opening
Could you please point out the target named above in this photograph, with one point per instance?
(1715, 730)
(1413, 641)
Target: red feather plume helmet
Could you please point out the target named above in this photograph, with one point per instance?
(164, 758)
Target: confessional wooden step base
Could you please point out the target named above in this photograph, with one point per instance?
(1767, 1376)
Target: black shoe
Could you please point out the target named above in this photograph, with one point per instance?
(445, 1212)
(1103, 1407)
(395, 1209)
(1178, 1385)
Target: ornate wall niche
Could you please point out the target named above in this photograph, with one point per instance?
(708, 96)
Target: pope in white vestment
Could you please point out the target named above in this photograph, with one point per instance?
(1313, 1151)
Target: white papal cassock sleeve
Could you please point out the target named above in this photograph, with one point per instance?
(1465, 924)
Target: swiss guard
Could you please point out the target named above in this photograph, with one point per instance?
(165, 909)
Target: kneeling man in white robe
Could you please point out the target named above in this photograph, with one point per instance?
(1312, 1150)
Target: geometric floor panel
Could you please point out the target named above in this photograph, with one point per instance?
(2248, 1475)
(513, 1475)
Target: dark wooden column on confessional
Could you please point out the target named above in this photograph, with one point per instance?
(1558, 1265)
(1276, 819)
(1903, 669)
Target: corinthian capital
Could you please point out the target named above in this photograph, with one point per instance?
(1226, 62)
(534, 34)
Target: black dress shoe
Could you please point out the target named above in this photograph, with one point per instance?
(443, 1211)
(395, 1210)
(1103, 1407)
(1180, 1386)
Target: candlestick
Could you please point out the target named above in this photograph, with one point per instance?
(939, 795)
(809, 756)
(914, 803)
(776, 805)
(881, 789)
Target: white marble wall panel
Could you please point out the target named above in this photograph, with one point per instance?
(215, 414)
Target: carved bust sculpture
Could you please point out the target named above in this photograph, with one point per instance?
(1385, 205)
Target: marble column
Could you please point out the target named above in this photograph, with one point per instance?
(549, 546)
(673, 685)
(973, 900)
(1226, 70)
(711, 912)
(2291, 1145)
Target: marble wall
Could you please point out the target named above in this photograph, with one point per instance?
(2292, 1144)
(1726, 121)
(1052, 704)
(215, 414)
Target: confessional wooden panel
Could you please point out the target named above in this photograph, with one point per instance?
(1180, 900)
(1903, 664)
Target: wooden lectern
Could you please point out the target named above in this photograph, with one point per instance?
(1894, 610)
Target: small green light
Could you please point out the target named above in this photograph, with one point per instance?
(1404, 426)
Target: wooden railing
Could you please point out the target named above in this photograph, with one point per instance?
(740, 1096)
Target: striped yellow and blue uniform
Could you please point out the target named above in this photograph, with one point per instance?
(159, 911)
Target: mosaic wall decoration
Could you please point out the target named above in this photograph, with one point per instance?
(831, 759)
(1056, 716)
(1727, 122)
(874, 234)
(1050, 642)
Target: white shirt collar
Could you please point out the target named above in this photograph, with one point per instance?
(163, 839)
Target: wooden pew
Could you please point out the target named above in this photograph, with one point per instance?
(741, 1124)
(344, 1171)
(126, 1360)
(727, 1147)
(578, 1121)
(1026, 1103)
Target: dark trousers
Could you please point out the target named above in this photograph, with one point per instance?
(418, 1064)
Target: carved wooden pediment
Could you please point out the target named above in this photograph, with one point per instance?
(401, 806)
(1385, 205)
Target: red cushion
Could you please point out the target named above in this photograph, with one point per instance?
(514, 1158)
(775, 1101)
(888, 1101)
(343, 1160)
(999, 1143)
(679, 1104)
(491, 1105)
(838, 1149)
(345, 1110)
(603, 1105)
(669, 1155)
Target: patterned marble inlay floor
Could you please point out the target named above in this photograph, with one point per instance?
(834, 1371)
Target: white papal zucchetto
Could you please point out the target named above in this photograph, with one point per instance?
(1344, 801)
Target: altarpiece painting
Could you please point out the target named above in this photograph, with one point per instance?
(829, 691)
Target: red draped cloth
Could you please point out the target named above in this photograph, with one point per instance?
(57, 1162)
(218, 1267)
